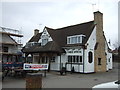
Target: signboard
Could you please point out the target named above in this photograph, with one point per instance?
(35, 66)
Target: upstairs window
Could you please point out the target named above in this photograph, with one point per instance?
(29, 44)
(44, 38)
(68, 40)
(75, 39)
(44, 41)
(79, 38)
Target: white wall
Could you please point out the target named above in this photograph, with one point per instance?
(64, 59)
(45, 32)
(89, 67)
(109, 57)
(78, 68)
(109, 60)
(55, 65)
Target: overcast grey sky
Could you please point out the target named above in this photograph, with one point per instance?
(27, 16)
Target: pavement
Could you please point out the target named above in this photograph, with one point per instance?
(75, 80)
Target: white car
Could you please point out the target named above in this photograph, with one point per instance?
(108, 86)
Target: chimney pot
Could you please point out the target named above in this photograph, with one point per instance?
(36, 31)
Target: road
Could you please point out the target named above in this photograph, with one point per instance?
(75, 80)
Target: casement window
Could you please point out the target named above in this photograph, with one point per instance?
(75, 39)
(90, 57)
(69, 58)
(75, 59)
(79, 38)
(109, 59)
(44, 38)
(99, 61)
(68, 40)
(80, 58)
(44, 41)
(29, 44)
(53, 59)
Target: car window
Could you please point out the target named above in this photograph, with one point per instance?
(117, 82)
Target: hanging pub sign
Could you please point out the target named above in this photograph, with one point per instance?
(35, 66)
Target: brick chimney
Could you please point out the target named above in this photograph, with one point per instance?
(100, 57)
(36, 31)
(98, 19)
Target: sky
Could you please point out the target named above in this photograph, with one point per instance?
(119, 23)
(27, 15)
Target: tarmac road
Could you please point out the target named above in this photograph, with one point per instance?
(75, 80)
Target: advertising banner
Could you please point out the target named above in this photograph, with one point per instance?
(35, 66)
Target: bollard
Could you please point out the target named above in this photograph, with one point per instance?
(34, 81)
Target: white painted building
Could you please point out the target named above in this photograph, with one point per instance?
(71, 46)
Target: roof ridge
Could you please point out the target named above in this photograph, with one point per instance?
(70, 25)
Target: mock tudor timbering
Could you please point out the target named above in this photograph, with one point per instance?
(82, 46)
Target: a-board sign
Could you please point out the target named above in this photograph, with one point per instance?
(35, 66)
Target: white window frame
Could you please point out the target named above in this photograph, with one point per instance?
(78, 39)
(44, 42)
(53, 59)
(72, 59)
(44, 38)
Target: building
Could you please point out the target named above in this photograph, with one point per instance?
(10, 44)
(82, 46)
(115, 54)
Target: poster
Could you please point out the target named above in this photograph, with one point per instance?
(35, 66)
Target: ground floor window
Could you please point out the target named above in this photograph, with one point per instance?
(99, 61)
(75, 59)
(53, 59)
(90, 57)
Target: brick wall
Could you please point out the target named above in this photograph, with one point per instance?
(100, 49)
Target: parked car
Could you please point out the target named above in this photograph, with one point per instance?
(115, 85)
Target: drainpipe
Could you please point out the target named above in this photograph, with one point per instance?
(83, 60)
(60, 61)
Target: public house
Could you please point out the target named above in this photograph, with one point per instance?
(81, 46)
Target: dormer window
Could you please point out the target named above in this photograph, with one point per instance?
(75, 39)
(44, 38)
(44, 41)
(29, 44)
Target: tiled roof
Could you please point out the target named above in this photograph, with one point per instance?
(35, 38)
(49, 47)
(60, 35)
